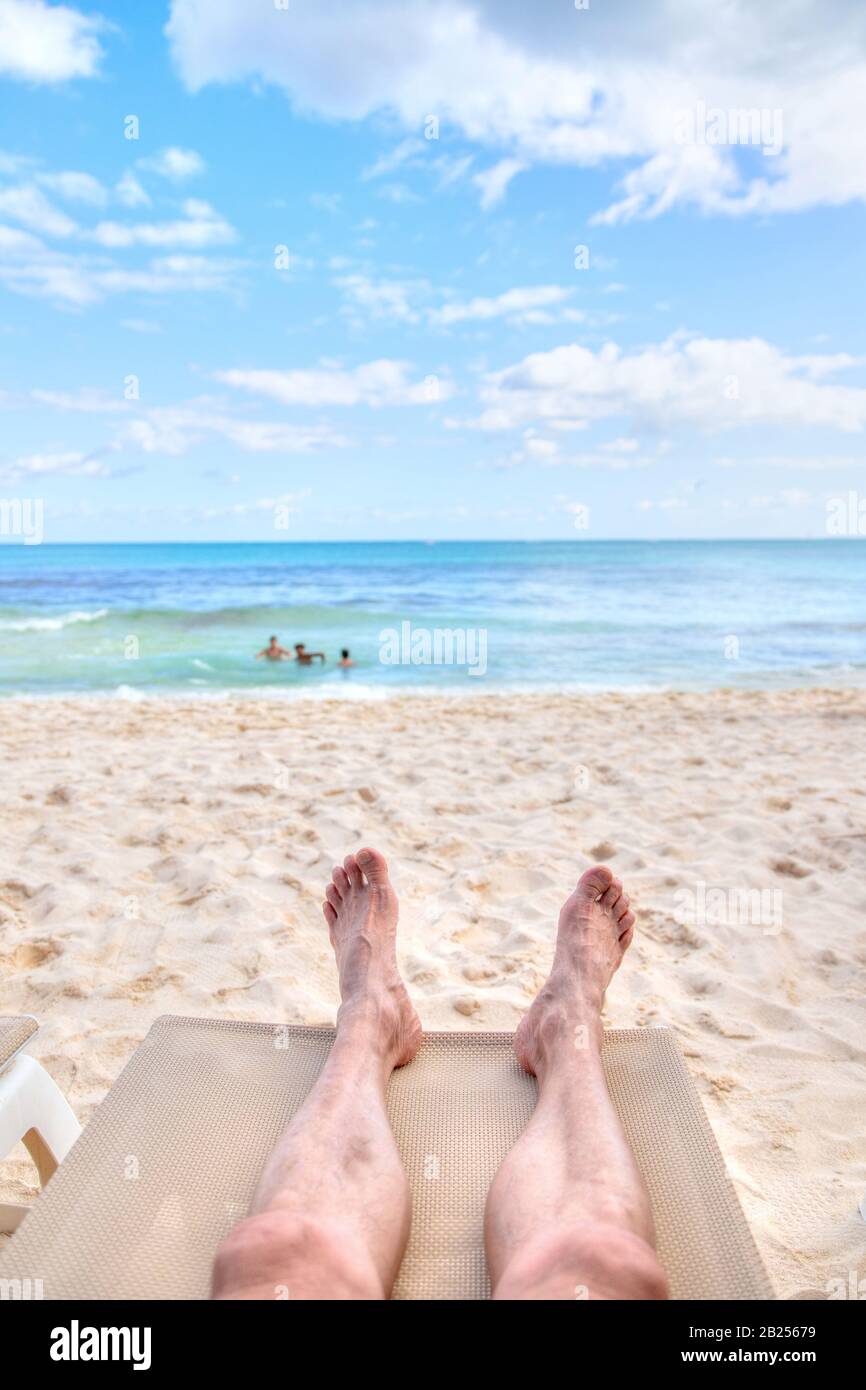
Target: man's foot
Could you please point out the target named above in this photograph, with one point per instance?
(361, 912)
(595, 930)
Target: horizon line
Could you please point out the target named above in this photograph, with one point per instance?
(453, 540)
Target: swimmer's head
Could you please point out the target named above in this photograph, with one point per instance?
(344, 653)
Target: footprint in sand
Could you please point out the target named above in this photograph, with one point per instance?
(59, 796)
(602, 851)
(29, 955)
(15, 893)
(790, 868)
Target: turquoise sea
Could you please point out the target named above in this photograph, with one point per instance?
(189, 618)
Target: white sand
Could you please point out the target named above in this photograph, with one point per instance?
(170, 857)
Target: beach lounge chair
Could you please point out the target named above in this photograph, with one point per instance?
(171, 1158)
(33, 1111)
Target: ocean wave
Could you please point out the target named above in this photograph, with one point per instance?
(52, 624)
(193, 615)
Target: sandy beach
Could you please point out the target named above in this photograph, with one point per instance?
(169, 857)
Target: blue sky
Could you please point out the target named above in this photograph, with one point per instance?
(331, 289)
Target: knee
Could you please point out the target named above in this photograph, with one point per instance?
(282, 1255)
(256, 1257)
(587, 1261)
(621, 1264)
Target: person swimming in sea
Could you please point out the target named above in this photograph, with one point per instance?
(345, 659)
(274, 652)
(306, 658)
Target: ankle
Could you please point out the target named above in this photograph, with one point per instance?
(570, 1035)
(560, 1032)
(370, 1022)
(573, 996)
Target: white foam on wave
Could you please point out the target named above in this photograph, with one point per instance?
(52, 624)
(128, 692)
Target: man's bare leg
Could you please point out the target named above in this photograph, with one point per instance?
(568, 1214)
(330, 1218)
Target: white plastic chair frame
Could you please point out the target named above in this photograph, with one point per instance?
(33, 1111)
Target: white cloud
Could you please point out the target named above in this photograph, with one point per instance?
(29, 267)
(174, 163)
(287, 502)
(47, 43)
(326, 202)
(380, 383)
(13, 241)
(445, 169)
(450, 169)
(129, 191)
(547, 83)
(28, 204)
(616, 454)
(76, 187)
(202, 226)
(408, 151)
(88, 400)
(398, 193)
(407, 301)
(493, 182)
(15, 164)
(538, 448)
(710, 383)
(168, 274)
(383, 298)
(175, 430)
(48, 277)
(70, 465)
(518, 305)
